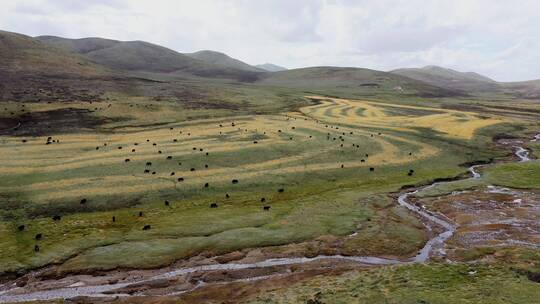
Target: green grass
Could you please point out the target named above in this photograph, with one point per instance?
(434, 283)
(334, 200)
(516, 175)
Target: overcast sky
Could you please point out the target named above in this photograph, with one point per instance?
(500, 39)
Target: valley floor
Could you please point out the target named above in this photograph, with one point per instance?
(276, 208)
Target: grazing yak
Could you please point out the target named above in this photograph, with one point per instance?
(21, 227)
(83, 201)
(180, 179)
(281, 190)
(147, 227)
(38, 236)
(235, 181)
(56, 218)
(213, 205)
(266, 208)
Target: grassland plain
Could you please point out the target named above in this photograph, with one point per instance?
(320, 156)
(435, 283)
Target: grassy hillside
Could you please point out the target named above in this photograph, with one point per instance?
(148, 57)
(24, 55)
(329, 79)
(448, 78)
(223, 60)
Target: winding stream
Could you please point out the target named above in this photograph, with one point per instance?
(14, 294)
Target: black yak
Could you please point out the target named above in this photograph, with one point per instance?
(180, 179)
(263, 200)
(192, 169)
(148, 163)
(172, 173)
(213, 205)
(235, 181)
(166, 203)
(147, 227)
(266, 208)
(146, 171)
(56, 217)
(206, 185)
(36, 248)
(38, 236)
(21, 227)
(371, 169)
(140, 213)
(83, 201)
(281, 190)
(169, 157)
(126, 160)
(114, 218)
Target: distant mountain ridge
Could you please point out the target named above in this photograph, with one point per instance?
(147, 57)
(448, 78)
(271, 67)
(224, 60)
(25, 59)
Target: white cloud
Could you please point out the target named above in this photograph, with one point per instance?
(494, 37)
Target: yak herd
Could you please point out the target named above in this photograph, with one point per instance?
(340, 138)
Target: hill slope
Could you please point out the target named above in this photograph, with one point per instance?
(271, 67)
(353, 80)
(451, 79)
(223, 60)
(142, 56)
(22, 54)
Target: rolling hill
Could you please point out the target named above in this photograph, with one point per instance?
(140, 56)
(271, 67)
(450, 79)
(34, 71)
(220, 59)
(353, 80)
(24, 55)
